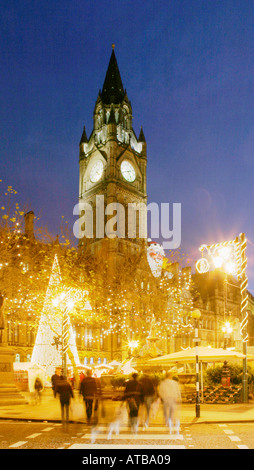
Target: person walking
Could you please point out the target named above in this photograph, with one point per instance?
(64, 389)
(88, 389)
(132, 395)
(170, 394)
(54, 380)
(148, 394)
(38, 387)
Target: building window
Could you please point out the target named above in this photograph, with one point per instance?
(91, 360)
(88, 338)
(16, 334)
(28, 357)
(30, 335)
(85, 361)
(17, 358)
(101, 341)
(10, 333)
(99, 360)
(105, 360)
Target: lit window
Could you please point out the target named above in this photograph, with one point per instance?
(25, 267)
(101, 341)
(16, 333)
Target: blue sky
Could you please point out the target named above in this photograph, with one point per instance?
(188, 69)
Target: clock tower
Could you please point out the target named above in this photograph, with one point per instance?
(112, 172)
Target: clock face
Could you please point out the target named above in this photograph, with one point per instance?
(128, 171)
(96, 171)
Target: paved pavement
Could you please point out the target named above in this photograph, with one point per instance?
(49, 410)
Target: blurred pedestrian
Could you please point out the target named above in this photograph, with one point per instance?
(132, 395)
(81, 376)
(64, 389)
(120, 417)
(54, 380)
(38, 387)
(88, 389)
(148, 394)
(170, 394)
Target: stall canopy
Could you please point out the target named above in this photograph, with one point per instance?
(205, 354)
(127, 368)
(114, 364)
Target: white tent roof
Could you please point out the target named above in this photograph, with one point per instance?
(103, 366)
(127, 368)
(205, 354)
(114, 363)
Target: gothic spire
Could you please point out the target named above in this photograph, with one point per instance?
(83, 139)
(112, 91)
(141, 136)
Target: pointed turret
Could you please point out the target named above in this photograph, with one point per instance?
(112, 91)
(142, 142)
(83, 139)
(141, 136)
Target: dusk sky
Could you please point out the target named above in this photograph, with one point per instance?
(188, 68)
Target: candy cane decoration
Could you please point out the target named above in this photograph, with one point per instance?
(242, 277)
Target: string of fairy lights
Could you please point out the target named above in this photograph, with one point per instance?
(118, 313)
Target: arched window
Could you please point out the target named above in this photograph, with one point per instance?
(17, 357)
(16, 333)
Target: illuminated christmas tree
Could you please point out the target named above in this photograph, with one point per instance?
(48, 347)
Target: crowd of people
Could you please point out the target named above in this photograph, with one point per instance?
(89, 389)
(140, 400)
(143, 391)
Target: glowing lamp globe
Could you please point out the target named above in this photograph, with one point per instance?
(196, 314)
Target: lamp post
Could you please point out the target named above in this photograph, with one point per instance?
(133, 344)
(233, 263)
(242, 277)
(196, 314)
(227, 330)
(65, 329)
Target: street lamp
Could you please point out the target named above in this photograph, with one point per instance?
(65, 330)
(196, 314)
(133, 344)
(227, 330)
